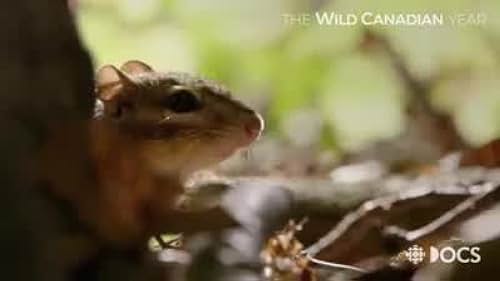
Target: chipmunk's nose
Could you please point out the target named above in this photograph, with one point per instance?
(254, 126)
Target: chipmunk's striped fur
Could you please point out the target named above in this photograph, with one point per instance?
(150, 131)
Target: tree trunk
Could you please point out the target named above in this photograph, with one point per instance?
(45, 79)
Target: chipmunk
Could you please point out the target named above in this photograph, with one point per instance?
(150, 131)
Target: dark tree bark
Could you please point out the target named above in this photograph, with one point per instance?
(45, 80)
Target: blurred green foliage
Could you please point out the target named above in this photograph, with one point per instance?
(284, 69)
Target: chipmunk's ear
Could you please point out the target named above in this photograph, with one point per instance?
(135, 67)
(110, 82)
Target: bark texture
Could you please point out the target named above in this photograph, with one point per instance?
(45, 80)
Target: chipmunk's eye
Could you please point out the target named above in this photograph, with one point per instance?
(182, 100)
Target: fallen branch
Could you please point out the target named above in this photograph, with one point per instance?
(345, 240)
(447, 218)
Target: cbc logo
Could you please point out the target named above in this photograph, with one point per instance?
(465, 254)
(415, 254)
(448, 254)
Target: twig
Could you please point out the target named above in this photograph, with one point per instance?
(445, 219)
(385, 204)
(333, 265)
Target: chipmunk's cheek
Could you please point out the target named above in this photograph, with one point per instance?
(225, 150)
(238, 137)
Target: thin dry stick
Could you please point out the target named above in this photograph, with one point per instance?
(445, 219)
(385, 204)
(336, 266)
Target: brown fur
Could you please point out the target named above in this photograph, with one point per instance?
(140, 153)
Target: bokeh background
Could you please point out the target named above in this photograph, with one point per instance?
(320, 90)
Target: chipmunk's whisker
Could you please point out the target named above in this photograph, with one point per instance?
(246, 154)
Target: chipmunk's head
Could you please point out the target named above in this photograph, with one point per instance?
(181, 123)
